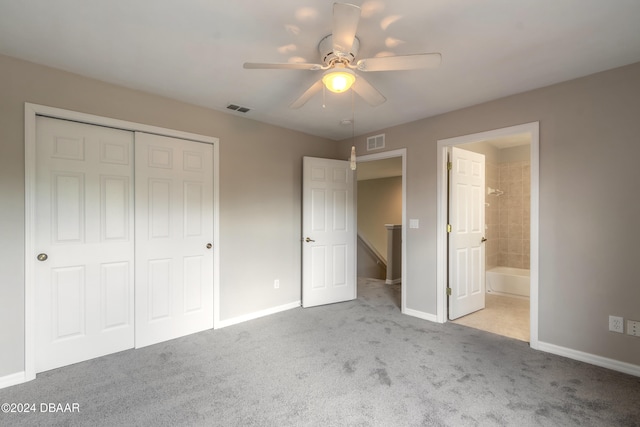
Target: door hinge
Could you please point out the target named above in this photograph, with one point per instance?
(449, 166)
(448, 291)
(448, 228)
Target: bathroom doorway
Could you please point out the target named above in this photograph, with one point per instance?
(511, 189)
(507, 230)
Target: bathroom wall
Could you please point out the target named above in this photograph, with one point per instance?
(507, 217)
(514, 178)
(492, 214)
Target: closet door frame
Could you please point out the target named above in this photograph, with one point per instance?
(31, 111)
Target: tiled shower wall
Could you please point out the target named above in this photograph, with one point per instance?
(492, 215)
(507, 217)
(514, 178)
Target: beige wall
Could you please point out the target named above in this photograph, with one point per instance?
(379, 203)
(260, 190)
(588, 210)
(589, 148)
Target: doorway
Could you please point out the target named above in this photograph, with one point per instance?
(381, 215)
(493, 142)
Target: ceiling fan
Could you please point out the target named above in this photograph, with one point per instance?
(338, 51)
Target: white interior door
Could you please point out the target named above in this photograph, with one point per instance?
(174, 237)
(328, 232)
(466, 239)
(84, 241)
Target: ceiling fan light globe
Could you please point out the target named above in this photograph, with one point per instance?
(338, 81)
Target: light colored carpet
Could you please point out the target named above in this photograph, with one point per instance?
(359, 363)
(502, 315)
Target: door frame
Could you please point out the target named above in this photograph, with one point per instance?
(533, 129)
(31, 111)
(387, 155)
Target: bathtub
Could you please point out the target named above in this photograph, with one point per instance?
(508, 281)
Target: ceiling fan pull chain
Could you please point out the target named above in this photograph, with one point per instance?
(352, 160)
(324, 91)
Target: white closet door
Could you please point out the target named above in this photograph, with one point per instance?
(174, 234)
(84, 229)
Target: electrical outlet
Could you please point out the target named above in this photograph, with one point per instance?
(633, 328)
(276, 284)
(616, 324)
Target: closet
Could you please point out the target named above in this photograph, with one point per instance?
(123, 238)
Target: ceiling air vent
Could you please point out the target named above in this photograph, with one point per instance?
(238, 108)
(375, 142)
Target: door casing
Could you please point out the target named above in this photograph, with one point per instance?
(31, 112)
(533, 129)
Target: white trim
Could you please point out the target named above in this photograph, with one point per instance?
(13, 379)
(393, 282)
(533, 129)
(402, 152)
(216, 235)
(59, 113)
(29, 240)
(31, 111)
(420, 315)
(441, 234)
(593, 359)
(257, 314)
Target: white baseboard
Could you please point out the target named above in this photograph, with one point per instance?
(593, 359)
(393, 282)
(13, 379)
(257, 314)
(421, 315)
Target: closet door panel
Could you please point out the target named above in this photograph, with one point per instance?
(174, 233)
(84, 242)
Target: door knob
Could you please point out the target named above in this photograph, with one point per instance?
(308, 240)
(209, 245)
(42, 257)
(484, 239)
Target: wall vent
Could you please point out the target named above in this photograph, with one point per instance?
(375, 142)
(238, 108)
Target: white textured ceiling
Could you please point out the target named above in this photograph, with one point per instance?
(193, 50)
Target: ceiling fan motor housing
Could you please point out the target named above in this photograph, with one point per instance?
(330, 57)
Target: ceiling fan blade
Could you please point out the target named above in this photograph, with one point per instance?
(368, 92)
(403, 62)
(315, 88)
(345, 24)
(281, 66)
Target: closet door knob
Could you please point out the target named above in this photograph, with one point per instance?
(209, 245)
(42, 257)
(484, 239)
(308, 240)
